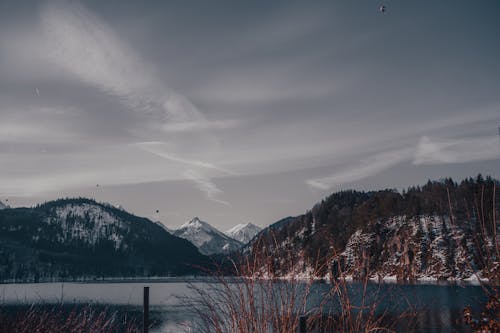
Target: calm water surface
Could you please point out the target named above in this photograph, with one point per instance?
(443, 304)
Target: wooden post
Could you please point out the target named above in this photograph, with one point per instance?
(145, 318)
(303, 324)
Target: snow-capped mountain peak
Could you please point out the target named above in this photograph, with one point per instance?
(3, 206)
(206, 238)
(243, 232)
(196, 223)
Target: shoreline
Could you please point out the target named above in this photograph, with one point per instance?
(470, 281)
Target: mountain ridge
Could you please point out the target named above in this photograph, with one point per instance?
(208, 239)
(439, 231)
(79, 237)
(243, 232)
(3, 206)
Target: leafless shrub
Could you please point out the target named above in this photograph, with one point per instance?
(488, 320)
(364, 306)
(56, 319)
(260, 300)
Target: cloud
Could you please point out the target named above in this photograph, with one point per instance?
(258, 85)
(158, 149)
(206, 185)
(366, 167)
(284, 94)
(426, 152)
(34, 125)
(77, 41)
(194, 174)
(196, 126)
(462, 150)
(28, 173)
(15, 132)
(84, 49)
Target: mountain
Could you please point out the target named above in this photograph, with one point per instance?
(442, 230)
(164, 227)
(81, 238)
(206, 238)
(3, 206)
(243, 232)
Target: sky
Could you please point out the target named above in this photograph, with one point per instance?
(243, 111)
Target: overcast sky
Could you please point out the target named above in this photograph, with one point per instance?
(243, 111)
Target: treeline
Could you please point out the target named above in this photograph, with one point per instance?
(470, 205)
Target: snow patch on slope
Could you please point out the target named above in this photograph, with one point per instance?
(243, 232)
(206, 238)
(402, 248)
(89, 223)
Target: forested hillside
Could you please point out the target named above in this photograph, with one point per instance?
(80, 238)
(441, 230)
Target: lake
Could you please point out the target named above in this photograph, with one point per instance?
(443, 303)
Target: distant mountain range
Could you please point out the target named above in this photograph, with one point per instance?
(81, 238)
(75, 238)
(442, 230)
(206, 238)
(243, 233)
(209, 240)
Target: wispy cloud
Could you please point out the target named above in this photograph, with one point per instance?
(292, 91)
(159, 149)
(460, 150)
(265, 85)
(196, 171)
(77, 41)
(15, 132)
(206, 185)
(426, 152)
(34, 125)
(366, 167)
(83, 46)
(204, 125)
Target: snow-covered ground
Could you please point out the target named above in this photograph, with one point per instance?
(89, 223)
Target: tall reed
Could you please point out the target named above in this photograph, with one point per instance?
(259, 299)
(488, 320)
(52, 319)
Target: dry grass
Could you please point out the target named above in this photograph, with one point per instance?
(86, 319)
(258, 300)
(365, 306)
(246, 304)
(488, 320)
